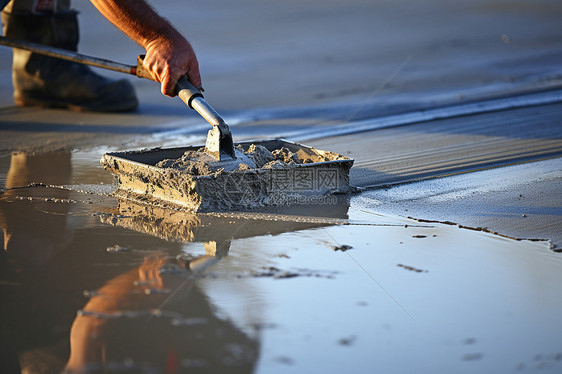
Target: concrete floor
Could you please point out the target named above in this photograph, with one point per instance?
(316, 65)
(306, 70)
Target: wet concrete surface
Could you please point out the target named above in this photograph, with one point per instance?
(520, 200)
(261, 292)
(350, 285)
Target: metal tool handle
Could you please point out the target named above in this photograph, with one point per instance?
(68, 55)
(219, 138)
(184, 89)
(187, 92)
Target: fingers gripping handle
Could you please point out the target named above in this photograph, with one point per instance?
(141, 71)
(184, 89)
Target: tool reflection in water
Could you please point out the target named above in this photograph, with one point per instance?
(155, 319)
(171, 286)
(151, 317)
(160, 305)
(219, 229)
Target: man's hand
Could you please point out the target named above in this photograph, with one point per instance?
(170, 58)
(169, 55)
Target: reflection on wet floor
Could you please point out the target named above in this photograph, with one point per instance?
(155, 318)
(148, 314)
(28, 223)
(175, 225)
(99, 284)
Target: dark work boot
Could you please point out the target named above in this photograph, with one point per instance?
(49, 82)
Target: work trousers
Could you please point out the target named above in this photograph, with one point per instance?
(37, 6)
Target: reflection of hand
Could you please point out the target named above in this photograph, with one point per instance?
(91, 330)
(111, 311)
(149, 272)
(119, 324)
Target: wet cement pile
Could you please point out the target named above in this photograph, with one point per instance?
(272, 173)
(198, 162)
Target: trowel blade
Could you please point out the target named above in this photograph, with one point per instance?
(226, 147)
(219, 138)
(219, 144)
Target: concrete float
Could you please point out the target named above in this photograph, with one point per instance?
(294, 174)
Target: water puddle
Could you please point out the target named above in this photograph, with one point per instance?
(101, 284)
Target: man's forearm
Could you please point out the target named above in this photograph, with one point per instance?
(135, 18)
(169, 55)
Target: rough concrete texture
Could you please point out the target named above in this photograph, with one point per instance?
(195, 181)
(199, 162)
